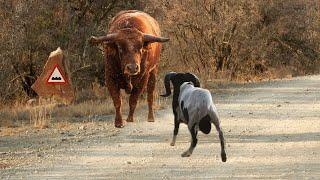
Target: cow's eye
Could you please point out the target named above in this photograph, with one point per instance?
(119, 49)
(145, 45)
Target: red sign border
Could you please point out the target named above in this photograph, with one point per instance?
(65, 79)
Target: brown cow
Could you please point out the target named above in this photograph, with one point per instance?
(132, 55)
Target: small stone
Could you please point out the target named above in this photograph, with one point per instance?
(129, 162)
(250, 112)
(278, 105)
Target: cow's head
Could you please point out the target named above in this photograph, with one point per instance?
(130, 44)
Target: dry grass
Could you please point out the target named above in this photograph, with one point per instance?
(42, 115)
(10, 131)
(48, 113)
(4, 165)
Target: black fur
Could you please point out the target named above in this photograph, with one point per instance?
(205, 124)
(177, 79)
(185, 112)
(194, 134)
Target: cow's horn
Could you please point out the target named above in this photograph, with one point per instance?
(100, 39)
(167, 80)
(152, 38)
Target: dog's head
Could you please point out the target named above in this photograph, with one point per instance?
(177, 79)
(186, 85)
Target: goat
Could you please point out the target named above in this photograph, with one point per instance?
(196, 109)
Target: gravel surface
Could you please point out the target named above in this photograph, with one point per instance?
(272, 130)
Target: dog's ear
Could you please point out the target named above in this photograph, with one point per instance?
(194, 79)
(167, 80)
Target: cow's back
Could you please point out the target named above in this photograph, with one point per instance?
(134, 19)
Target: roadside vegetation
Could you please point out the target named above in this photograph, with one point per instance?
(219, 40)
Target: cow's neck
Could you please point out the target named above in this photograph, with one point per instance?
(129, 86)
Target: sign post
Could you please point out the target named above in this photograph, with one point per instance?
(55, 80)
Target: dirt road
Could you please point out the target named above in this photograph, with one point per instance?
(272, 130)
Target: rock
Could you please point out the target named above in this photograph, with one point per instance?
(129, 162)
(83, 127)
(278, 105)
(80, 140)
(55, 80)
(70, 134)
(31, 102)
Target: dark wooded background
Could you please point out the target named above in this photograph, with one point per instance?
(216, 39)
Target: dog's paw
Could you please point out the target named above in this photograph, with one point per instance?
(223, 157)
(186, 154)
(172, 143)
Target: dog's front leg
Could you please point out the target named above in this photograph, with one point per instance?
(176, 128)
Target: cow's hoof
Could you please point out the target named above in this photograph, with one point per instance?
(119, 124)
(130, 119)
(150, 120)
(186, 154)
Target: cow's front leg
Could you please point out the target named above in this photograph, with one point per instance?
(150, 89)
(116, 98)
(135, 93)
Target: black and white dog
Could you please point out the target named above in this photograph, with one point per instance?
(194, 106)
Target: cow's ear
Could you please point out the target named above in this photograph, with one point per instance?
(146, 45)
(111, 48)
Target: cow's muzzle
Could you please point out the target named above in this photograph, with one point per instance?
(132, 69)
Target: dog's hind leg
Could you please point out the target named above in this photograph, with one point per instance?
(216, 122)
(194, 131)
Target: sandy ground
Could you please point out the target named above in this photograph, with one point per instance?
(272, 131)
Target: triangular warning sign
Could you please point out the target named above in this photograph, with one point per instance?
(56, 76)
